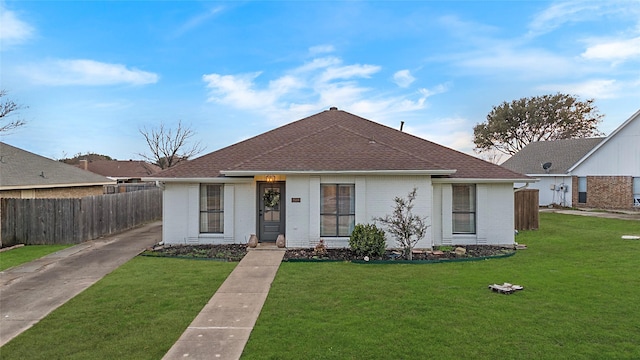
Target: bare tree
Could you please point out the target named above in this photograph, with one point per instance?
(8, 108)
(406, 227)
(168, 147)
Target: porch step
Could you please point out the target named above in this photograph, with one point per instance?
(266, 247)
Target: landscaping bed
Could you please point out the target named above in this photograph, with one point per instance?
(444, 253)
(235, 252)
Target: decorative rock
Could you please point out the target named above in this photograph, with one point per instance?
(460, 251)
(521, 247)
(437, 252)
(280, 242)
(253, 241)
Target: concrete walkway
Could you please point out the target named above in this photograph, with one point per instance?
(617, 214)
(31, 291)
(222, 328)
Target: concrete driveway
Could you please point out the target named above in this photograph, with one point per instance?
(31, 291)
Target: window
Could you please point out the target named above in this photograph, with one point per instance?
(582, 190)
(337, 209)
(464, 209)
(211, 208)
(636, 191)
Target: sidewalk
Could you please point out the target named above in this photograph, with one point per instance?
(223, 326)
(617, 214)
(31, 291)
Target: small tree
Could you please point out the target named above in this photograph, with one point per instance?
(7, 108)
(168, 147)
(406, 227)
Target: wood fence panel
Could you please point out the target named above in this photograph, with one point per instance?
(72, 221)
(526, 209)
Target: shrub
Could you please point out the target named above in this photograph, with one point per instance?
(367, 240)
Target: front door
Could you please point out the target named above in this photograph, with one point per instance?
(270, 210)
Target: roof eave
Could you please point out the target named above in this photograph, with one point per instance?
(481, 180)
(233, 173)
(51, 186)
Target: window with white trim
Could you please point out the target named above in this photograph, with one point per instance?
(582, 190)
(337, 209)
(212, 208)
(464, 208)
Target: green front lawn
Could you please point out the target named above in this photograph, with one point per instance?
(25, 254)
(580, 301)
(136, 312)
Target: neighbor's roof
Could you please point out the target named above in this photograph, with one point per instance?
(121, 169)
(562, 154)
(20, 169)
(336, 141)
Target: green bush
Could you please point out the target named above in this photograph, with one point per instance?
(367, 240)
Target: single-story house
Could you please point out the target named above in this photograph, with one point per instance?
(592, 173)
(27, 175)
(317, 177)
(127, 173)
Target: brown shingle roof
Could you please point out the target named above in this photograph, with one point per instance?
(335, 140)
(120, 169)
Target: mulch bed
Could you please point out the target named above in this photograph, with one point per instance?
(235, 252)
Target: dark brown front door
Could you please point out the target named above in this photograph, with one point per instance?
(270, 210)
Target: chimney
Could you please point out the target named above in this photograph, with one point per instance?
(85, 164)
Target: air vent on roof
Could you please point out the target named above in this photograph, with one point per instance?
(333, 108)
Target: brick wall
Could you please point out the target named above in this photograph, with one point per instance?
(606, 192)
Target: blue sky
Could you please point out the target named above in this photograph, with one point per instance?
(93, 73)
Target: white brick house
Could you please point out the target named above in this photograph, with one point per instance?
(318, 177)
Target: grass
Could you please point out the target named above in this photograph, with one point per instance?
(579, 301)
(25, 254)
(136, 312)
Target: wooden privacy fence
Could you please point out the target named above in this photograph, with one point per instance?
(72, 221)
(526, 209)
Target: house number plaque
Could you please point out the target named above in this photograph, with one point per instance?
(295, 200)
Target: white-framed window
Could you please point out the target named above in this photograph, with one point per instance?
(337, 209)
(211, 208)
(464, 208)
(636, 191)
(582, 190)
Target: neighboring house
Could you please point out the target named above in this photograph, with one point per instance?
(128, 174)
(549, 161)
(27, 175)
(317, 177)
(595, 173)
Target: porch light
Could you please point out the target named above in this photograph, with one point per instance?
(271, 178)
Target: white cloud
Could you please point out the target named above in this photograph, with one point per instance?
(614, 50)
(197, 20)
(85, 72)
(321, 49)
(452, 132)
(348, 72)
(403, 78)
(12, 29)
(596, 89)
(318, 84)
